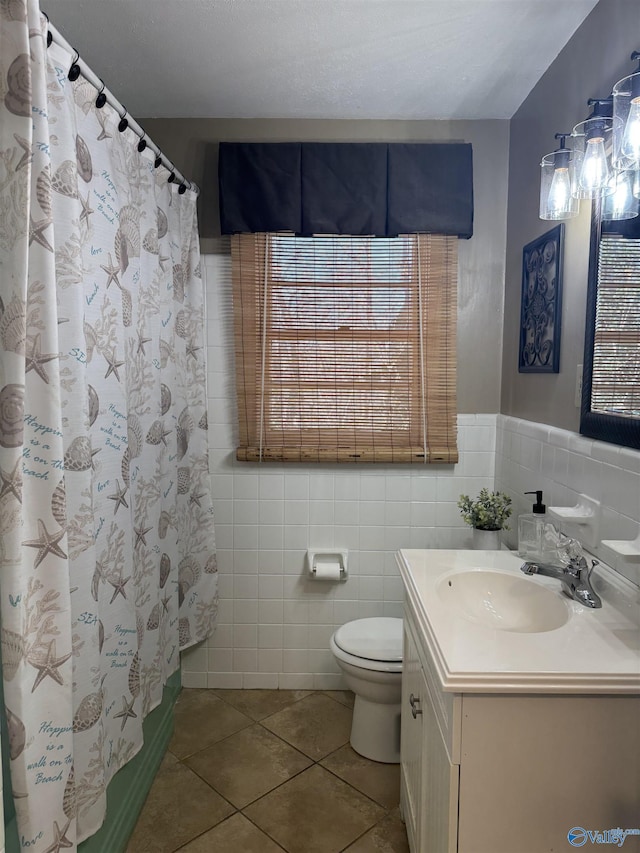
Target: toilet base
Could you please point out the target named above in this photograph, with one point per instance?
(375, 730)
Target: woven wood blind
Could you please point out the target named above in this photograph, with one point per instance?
(345, 348)
(615, 388)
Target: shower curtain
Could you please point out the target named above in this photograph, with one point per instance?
(107, 561)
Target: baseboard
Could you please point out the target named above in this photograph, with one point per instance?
(128, 789)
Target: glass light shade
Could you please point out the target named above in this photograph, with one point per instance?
(556, 198)
(626, 116)
(591, 139)
(636, 183)
(621, 204)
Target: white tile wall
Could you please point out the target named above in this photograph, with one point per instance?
(274, 621)
(564, 465)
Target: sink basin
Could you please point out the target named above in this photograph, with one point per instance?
(503, 601)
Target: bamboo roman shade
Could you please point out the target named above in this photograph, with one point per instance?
(345, 347)
(615, 383)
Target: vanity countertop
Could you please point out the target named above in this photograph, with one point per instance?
(594, 652)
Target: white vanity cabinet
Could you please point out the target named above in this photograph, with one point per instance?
(429, 788)
(500, 773)
(411, 737)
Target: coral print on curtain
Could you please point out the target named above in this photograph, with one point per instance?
(107, 553)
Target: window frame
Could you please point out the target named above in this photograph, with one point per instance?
(253, 402)
(615, 429)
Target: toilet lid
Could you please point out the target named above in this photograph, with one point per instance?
(379, 638)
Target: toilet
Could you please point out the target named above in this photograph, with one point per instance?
(369, 653)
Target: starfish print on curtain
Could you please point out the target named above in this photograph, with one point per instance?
(107, 555)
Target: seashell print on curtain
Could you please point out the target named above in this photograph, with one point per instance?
(107, 557)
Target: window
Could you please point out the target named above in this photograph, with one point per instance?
(615, 386)
(611, 386)
(345, 348)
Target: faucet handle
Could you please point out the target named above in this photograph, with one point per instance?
(577, 564)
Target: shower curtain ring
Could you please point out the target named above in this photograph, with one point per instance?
(182, 189)
(101, 99)
(142, 144)
(49, 33)
(74, 71)
(123, 124)
(157, 162)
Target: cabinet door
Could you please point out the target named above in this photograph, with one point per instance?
(411, 740)
(440, 782)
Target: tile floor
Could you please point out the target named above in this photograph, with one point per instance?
(262, 771)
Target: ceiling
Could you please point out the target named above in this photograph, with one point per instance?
(338, 59)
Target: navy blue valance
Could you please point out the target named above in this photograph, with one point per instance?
(378, 188)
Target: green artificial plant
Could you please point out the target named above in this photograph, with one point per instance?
(489, 511)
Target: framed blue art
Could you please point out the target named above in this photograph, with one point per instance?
(541, 309)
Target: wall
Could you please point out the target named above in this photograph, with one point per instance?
(592, 61)
(275, 624)
(565, 465)
(538, 445)
(192, 145)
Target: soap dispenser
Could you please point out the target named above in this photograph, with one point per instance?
(531, 529)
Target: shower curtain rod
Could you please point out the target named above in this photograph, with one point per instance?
(109, 98)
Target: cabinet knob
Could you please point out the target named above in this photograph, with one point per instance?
(414, 702)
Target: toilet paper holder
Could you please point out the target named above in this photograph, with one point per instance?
(328, 565)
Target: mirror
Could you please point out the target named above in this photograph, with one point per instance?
(611, 378)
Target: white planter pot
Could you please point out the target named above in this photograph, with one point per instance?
(486, 540)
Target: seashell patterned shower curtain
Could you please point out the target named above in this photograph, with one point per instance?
(107, 561)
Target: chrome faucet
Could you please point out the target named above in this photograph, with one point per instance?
(575, 578)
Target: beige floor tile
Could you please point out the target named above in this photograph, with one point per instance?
(180, 806)
(316, 725)
(315, 812)
(379, 781)
(234, 835)
(201, 719)
(248, 764)
(259, 704)
(345, 697)
(388, 836)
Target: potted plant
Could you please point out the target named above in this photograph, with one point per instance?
(487, 514)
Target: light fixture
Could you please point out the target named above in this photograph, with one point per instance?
(620, 204)
(626, 114)
(556, 197)
(602, 160)
(592, 139)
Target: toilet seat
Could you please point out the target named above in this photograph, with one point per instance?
(374, 643)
